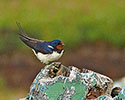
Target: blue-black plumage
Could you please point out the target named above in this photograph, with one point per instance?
(45, 51)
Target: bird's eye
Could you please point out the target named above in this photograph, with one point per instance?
(56, 43)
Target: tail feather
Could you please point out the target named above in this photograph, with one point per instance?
(20, 29)
(31, 42)
(27, 40)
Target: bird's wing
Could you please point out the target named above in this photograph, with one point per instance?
(35, 44)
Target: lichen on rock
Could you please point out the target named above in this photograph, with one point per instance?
(58, 82)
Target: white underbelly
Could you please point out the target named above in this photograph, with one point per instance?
(46, 58)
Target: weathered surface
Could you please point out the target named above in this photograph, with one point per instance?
(121, 95)
(58, 82)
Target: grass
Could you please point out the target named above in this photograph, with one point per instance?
(71, 21)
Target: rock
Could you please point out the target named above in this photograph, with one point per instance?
(105, 97)
(115, 91)
(58, 82)
(121, 95)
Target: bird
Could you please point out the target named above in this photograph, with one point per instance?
(45, 51)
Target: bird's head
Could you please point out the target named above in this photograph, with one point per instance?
(57, 44)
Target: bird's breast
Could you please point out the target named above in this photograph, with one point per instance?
(46, 58)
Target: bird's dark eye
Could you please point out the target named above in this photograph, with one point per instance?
(56, 43)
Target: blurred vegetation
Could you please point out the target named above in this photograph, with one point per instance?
(10, 94)
(72, 21)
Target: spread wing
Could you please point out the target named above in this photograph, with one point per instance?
(37, 45)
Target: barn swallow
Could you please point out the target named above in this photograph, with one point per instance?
(45, 51)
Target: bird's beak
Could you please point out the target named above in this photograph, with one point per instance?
(62, 43)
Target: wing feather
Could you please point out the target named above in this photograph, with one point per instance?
(37, 45)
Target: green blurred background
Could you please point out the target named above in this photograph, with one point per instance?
(93, 33)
